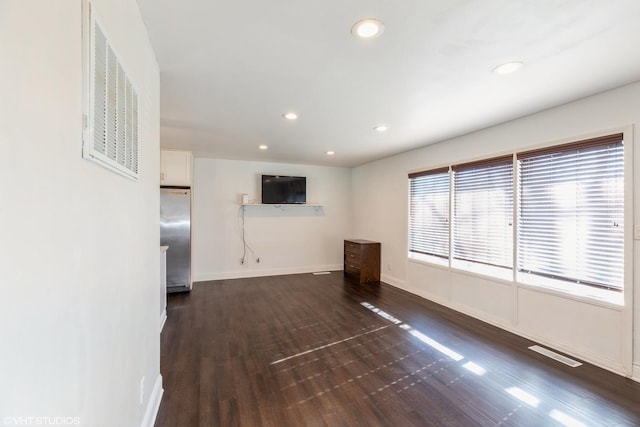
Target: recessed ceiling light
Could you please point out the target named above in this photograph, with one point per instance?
(508, 68)
(290, 115)
(330, 153)
(263, 147)
(367, 28)
(381, 128)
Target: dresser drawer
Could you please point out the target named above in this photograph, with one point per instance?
(352, 270)
(352, 252)
(352, 258)
(351, 247)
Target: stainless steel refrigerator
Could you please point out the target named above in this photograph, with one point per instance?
(175, 232)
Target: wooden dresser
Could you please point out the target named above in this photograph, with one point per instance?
(362, 260)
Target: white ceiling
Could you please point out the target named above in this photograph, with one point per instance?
(230, 68)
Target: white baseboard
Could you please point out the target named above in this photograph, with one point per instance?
(608, 364)
(163, 319)
(242, 274)
(636, 372)
(393, 281)
(153, 404)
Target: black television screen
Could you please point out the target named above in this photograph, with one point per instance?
(277, 189)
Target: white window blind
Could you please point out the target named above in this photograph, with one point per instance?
(483, 212)
(111, 133)
(571, 212)
(429, 213)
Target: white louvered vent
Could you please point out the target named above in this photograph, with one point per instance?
(110, 137)
(555, 356)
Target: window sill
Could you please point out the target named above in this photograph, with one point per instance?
(429, 260)
(575, 291)
(493, 272)
(582, 293)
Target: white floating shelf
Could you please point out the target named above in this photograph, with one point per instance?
(283, 206)
(312, 205)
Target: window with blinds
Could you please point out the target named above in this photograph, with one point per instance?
(483, 212)
(111, 130)
(429, 213)
(571, 212)
(569, 222)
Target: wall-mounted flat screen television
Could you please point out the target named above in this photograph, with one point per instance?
(279, 189)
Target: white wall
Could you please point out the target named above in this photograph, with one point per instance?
(295, 239)
(600, 333)
(79, 244)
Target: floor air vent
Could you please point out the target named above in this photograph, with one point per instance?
(555, 356)
(318, 273)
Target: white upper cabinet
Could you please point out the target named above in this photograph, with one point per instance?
(175, 168)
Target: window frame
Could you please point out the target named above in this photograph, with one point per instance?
(433, 257)
(560, 151)
(475, 254)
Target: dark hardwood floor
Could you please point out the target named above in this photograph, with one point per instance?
(305, 350)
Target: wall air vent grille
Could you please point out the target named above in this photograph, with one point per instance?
(110, 137)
